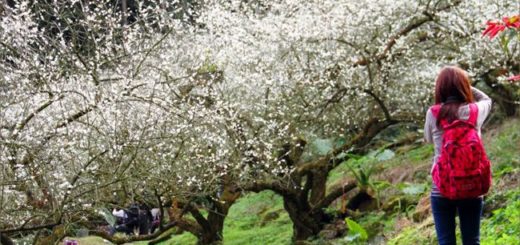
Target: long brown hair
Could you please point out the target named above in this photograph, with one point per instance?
(452, 89)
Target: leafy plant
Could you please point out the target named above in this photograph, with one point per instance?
(503, 226)
(362, 167)
(412, 188)
(355, 231)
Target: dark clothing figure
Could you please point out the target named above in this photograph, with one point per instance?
(138, 219)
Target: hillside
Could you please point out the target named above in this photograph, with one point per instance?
(401, 184)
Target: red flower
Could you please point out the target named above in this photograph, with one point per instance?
(495, 27)
(512, 22)
(514, 78)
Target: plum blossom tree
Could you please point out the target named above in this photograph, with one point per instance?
(309, 73)
(73, 126)
(242, 96)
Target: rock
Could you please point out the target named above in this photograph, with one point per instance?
(378, 239)
(333, 230)
(82, 232)
(340, 226)
(328, 234)
(423, 209)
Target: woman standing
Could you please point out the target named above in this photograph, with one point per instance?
(457, 106)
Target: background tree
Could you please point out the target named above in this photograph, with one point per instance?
(102, 103)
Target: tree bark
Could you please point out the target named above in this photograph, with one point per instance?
(304, 225)
(219, 213)
(319, 185)
(5, 240)
(208, 230)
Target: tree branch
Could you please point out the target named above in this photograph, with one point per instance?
(27, 119)
(270, 185)
(355, 146)
(32, 228)
(5, 240)
(427, 17)
(199, 217)
(334, 194)
(380, 103)
(76, 116)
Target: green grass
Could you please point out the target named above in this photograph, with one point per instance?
(504, 149)
(245, 225)
(503, 227)
(244, 222)
(418, 234)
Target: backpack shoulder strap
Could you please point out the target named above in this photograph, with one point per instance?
(473, 114)
(435, 110)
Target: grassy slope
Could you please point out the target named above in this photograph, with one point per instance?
(243, 225)
(401, 178)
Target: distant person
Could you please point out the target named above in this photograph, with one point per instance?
(461, 171)
(145, 219)
(156, 219)
(128, 220)
(120, 215)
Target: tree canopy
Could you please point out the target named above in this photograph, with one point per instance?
(107, 103)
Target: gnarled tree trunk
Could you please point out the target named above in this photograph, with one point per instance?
(305, 195)
(208, 230)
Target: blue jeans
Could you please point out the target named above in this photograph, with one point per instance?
(444, 212)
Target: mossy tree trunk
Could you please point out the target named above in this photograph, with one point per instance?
(209, 229)
(305, 194)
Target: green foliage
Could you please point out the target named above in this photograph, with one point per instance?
(504, 148)
(421, 153)
(246, 225)
(208, 68)
(184, 238)
(377, 222)
(412, 188)
(355, 231)
(503, 226)
(322, 147)
(362, 167)
(90, 240)
(414, 235)
(383, 155)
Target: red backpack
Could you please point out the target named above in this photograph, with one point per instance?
(462, 169)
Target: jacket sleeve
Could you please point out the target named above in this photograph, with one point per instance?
(483, 103)
(428, 126)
